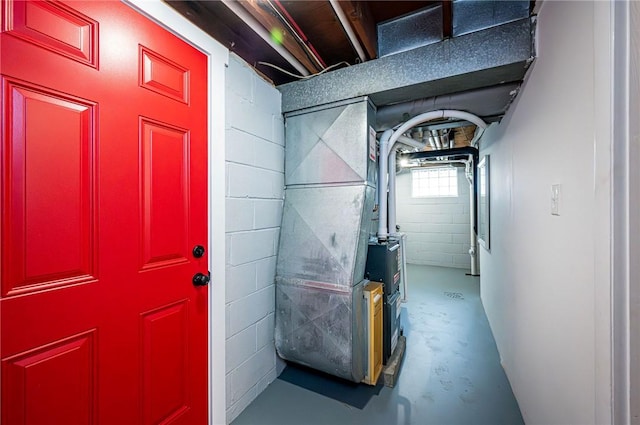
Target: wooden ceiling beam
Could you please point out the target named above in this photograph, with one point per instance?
(265, 15)
(362, 23)
(447, 19)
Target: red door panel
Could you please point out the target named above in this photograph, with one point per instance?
(104, 196)
(61, 374)
(50, 206)
(163, 76)
(54, 26)
(165, 194)
(165, 361)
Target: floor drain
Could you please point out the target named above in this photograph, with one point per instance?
(454, 295)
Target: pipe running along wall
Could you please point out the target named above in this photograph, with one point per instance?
(388, 141)
(473, 236)
(471, 174)
(246, 17)
(387, 172)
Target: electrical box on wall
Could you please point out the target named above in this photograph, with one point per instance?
(556, 190)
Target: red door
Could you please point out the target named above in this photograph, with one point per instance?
(104, 197)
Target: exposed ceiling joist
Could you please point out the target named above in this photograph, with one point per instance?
(265, 13)
(447, 19)
(310, 35)
(363, 24)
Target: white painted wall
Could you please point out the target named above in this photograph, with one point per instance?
(545, 284)
(437, 228)
(254, 198)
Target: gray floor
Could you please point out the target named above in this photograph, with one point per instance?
(451, 372)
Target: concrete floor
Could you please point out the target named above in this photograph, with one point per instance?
(451, 372)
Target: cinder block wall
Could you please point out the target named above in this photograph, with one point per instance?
(254, 198)
(437, 228)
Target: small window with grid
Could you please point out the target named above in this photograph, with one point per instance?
(434, 182)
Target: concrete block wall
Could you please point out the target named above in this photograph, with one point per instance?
(437, 228)
(254, 199)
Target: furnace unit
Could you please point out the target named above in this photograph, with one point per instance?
(384, 265)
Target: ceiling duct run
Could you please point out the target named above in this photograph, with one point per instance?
(479, 72)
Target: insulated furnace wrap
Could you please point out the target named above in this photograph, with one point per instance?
(330, 174)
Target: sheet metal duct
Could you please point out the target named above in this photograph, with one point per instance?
(490, 103)
(324, 234)
(329, 198)
(410, 31)
(493, 56)
(476, 15)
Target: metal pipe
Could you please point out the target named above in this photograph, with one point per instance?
(392, 193)
(436, 138)
(439, 163)
(387, 144)
(489, 101)
(402, 238)
(347, 28)
(246, 17)
(295, 28)
(465, 151)
(432, 142)
(473, 238)
(392, 207)
(408, 141)
(428, 116)
(476, 137)
(382, 186)
(448, 140)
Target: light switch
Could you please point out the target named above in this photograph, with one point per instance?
(556, 190)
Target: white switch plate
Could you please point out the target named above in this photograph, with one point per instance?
(556, 190)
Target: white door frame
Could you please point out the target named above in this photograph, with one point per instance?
(626, 222)
(218, 60)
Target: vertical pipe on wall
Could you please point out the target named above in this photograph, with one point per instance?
(403, 255)
(382, 185)
(473, 237)
(392, 193)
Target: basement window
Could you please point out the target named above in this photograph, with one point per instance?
(434, 182)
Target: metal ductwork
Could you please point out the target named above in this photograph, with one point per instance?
(490, 103)
(329, 198)
(330, 170)
(486, 58)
